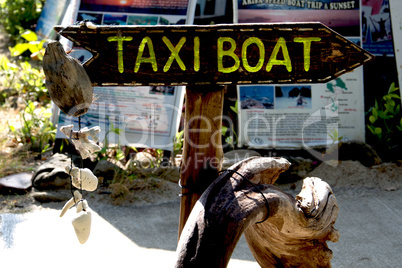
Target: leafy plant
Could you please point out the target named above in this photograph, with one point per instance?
(107, 152)
(17, 15)
(36, 131)
(334, 135)
(21, 78)
(385, 118)
(178, 142)
(32, 44)
(230, 135)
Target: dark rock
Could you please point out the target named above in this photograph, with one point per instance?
(54, 196)
(105, 170)
(356, 151)
(52, 174)
(16, 184)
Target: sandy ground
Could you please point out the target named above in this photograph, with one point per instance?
(143, 232)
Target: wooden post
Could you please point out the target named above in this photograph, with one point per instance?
(202, 149)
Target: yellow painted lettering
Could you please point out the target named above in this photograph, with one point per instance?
(120, 40)
(260, 45)
(228, 53)
(151, 59)
(196, 53)
(174, 53)
(286, 59)
(306, 49)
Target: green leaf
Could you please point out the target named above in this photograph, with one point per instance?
(18, 49)
(29, 36)
(31, 107)
(372, 119)
(116, 131)
(119, 154)
(389, 108)
(392, 88)
(377, 130)
(394, 96)
(33, 47)
(12, 128)
(375, 113)
(371, 128)
(224, 130)
(235, 108)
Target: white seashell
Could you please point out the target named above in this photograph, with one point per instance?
(77, 197)
(88, 179)
(82, 221)
(85, 176)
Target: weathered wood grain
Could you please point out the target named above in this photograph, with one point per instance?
(67, 81)
(293, 235)
(268, 53)
(202, 148)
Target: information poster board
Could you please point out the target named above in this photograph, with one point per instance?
(303, 115)
(396, 15)
(142, 116)
(377, 27)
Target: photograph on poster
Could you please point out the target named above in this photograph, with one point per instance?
(114, 19)
(376, 27)
(162, 90)
(256, 97)
(142, 20)
(95, 18)
(343, 17)
(178, 7)
(366, 13)
(381, 30)
(291, 97)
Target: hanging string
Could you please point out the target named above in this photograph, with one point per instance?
(255, 187)
(81, 161)
(71, 168)
(71, 163)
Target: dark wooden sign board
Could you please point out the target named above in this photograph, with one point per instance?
(205, 58)
(217, 54)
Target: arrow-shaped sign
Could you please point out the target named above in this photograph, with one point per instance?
(218, 54)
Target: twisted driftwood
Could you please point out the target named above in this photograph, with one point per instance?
(291, 233)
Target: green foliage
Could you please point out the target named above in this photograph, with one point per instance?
(178, 142)
(32, 44)
(385, 118)
(21, 78)
(111, 152)
(36, 131)
(229, 135)
(334, 135)
(17, 15)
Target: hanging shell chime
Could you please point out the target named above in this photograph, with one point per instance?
(68, 83)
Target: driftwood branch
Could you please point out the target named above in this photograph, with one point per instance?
(293, 235)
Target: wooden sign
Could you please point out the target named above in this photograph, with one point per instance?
(214, 55)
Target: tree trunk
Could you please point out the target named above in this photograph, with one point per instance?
(282, 232)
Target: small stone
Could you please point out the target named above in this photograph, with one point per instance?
(106, 170)
(16, 184)
(48, 197)
(51, 174)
